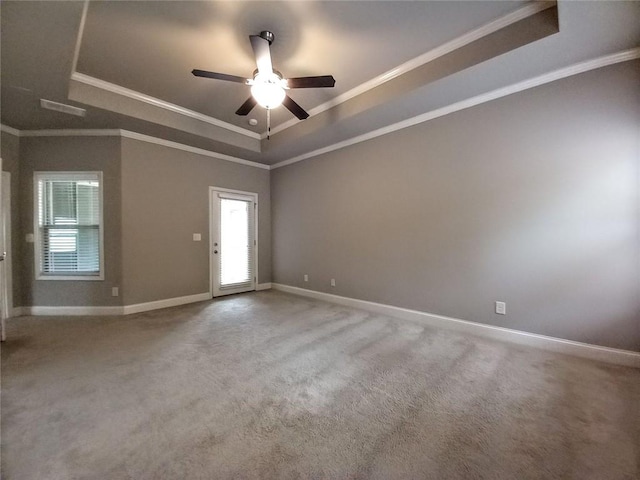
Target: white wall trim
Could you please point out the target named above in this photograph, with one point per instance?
(125, 310)
(263, 286)
(71, 133)
(76, 50)
(584, 350)
(156, 102)
(444, 49)
(619, 57)
(133, 135)
(166, 303)
(606, 60)
(10, 130)
(57, 311)
(188, 148)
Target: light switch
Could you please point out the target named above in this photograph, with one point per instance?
(197, 237)
(29, 238)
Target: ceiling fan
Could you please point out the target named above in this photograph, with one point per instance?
(268, 87)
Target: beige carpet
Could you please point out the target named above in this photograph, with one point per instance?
(269, 385)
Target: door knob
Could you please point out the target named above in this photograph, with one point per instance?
(215, 251)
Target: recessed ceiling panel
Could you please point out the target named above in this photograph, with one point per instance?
(151, 47)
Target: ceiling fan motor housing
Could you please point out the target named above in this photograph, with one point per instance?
(267, 35)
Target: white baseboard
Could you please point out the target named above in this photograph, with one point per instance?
(263, 286)
(168, 302)
(55, 311)
(124, 310)
(559, 345)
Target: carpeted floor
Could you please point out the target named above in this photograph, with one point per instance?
(270, 385)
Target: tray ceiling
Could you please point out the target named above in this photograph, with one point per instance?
(117, 58)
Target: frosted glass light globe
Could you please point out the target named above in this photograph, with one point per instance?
(268, 91)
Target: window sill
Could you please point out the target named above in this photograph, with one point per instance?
(76, 278)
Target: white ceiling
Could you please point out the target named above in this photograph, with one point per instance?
(135, 58)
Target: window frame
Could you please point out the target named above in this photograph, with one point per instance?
(73, 176)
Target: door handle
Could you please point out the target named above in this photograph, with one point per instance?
(3, 256)
(215, 251)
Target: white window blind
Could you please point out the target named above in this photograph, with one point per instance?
(69, 225)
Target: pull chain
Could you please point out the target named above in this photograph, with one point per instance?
(268, 123)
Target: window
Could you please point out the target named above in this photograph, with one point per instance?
(68, 226)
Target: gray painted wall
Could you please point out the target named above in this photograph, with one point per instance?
(155, 199)
(72, 154)
(165, 199)
(532, 199)
(10, 153)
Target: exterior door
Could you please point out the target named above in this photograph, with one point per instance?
(233, 241)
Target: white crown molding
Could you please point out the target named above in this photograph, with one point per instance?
(10, 130)
(132, 135)
(188, 148)
(156, 102)
(624, 56)
(71, 133)
(594, 352)
(444, 49)
(76, 50)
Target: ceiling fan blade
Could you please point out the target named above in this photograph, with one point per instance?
(263, 54)
(311, 82)
(246, 107)
(219, 76)
(294, 108)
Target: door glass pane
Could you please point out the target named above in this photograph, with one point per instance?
(234, 242)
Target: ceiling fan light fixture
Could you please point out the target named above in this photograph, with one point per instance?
(268, 86)
(268, 91)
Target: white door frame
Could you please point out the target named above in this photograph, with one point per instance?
(5, 224)
(4, 270)
(212, 231)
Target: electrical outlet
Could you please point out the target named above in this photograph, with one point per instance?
(501, 308)
(29, 238)
(333, 282)
(197, 237)
(306, 277)
(115, 291)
